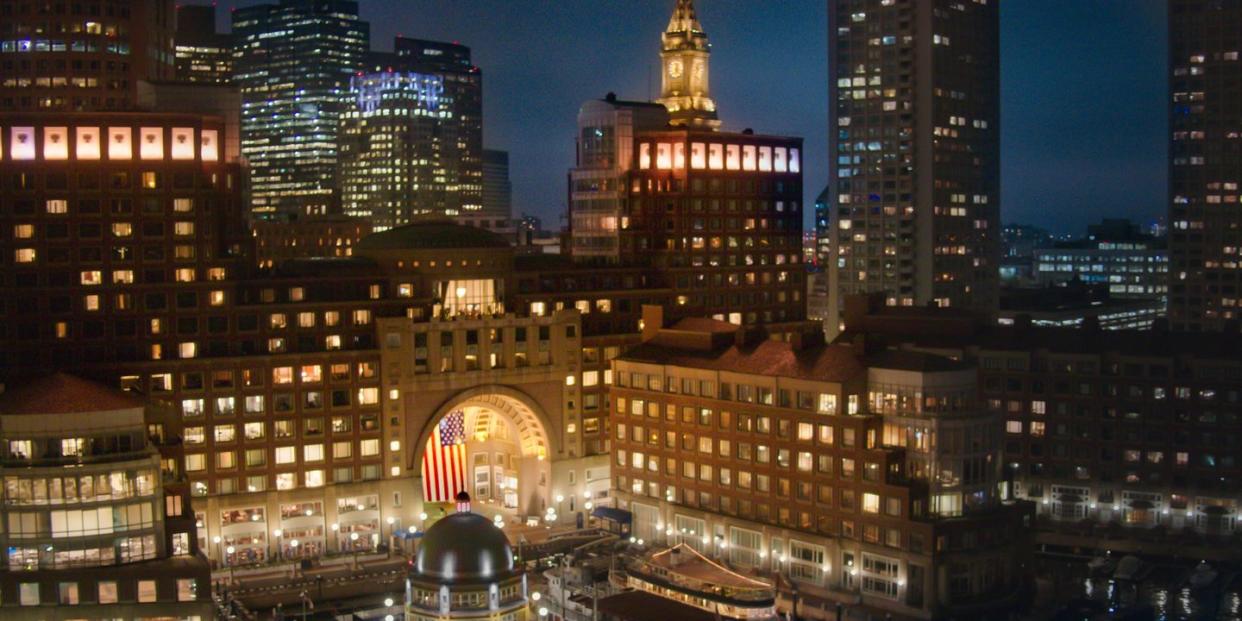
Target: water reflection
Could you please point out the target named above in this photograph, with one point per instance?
(1165, 591)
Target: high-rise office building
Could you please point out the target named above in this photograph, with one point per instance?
(88, 55)
(463, 92)
(497, 190)
(599, 183)
(411, 137)
(293, 65)
(717, 213)
(915, 95)
(202, 53)
(1205, 166)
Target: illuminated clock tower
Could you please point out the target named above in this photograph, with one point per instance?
(684, 70)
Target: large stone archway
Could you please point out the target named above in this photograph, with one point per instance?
(522, 459)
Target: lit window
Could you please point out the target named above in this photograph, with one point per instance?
(24, 255)
(87, 143)
(182, 143)
(120, 143)
(55, 143)
(22, 143)
(210, 148)
(314, 478)
(151, 146)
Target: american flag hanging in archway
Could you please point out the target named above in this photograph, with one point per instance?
(444, 461)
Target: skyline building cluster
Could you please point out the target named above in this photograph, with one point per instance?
(248, 277)
(329, 127)
(293, 64)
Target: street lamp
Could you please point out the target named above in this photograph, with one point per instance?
(353, 545)
(230, 551)
(280, 549)
(387, 602)
(216, 540)
(336, 529)
(293, 548)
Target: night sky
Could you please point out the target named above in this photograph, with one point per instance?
(1083, 88)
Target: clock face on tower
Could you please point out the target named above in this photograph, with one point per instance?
(674, 69)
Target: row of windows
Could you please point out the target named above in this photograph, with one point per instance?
(281, 429)
(106, 592)
(116, 485)
(225, 406)
(781, 514)
(283, 455)
(822, 403)
(81, 522)
(288, 480)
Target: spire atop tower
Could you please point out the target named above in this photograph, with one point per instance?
(685, 18)
(684, 55)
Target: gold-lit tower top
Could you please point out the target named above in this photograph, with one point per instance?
(684, 76)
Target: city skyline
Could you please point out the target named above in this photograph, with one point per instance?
(1052, 58)
(276, 334)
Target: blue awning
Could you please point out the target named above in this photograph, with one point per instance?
(620, 516)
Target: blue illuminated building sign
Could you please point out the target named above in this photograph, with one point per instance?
(370, 89)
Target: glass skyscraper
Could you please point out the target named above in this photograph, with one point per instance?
(293, 66)
(412, 136)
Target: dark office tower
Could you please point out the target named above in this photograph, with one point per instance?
(203, 54)
(823, 232)
(412, 136)
(83, 55)
(497, 190)
(293, 65)
(915, 92)
(1205, 165)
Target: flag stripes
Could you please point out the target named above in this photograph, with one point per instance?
(444, 460)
